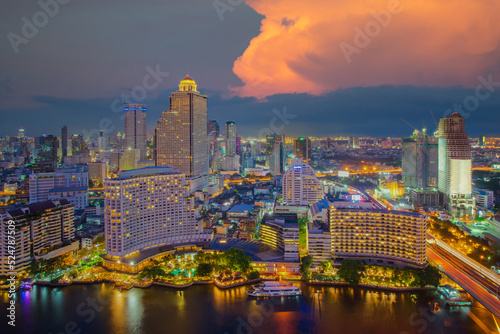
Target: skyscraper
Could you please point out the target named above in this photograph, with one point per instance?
(454, 165)
(213, 128)
(277, 158)
(78, 145)
(135, 128)
(230, 138)
(302, 148)
(47, 159)
(270, 139)
(101, 141)
(64, 141)
(181, 135)
(420, 160)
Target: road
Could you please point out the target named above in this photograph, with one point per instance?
(465, 281)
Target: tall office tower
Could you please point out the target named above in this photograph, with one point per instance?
(354, 142)
(454, 165)
(181, 135)
(101, 141)
(300, 185)
(420, 160)
(148, 208)
(64, 141)
(213, 128)
(47, 159)
(302, 148)
(135, 128)
(482, 140)
(238, 145)
(78, 145)
(230, 138)
(379, 236)
(69, 182)
(270, 139)
(277, 158)
(20, 133)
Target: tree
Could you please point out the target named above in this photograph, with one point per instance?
(253, 275)
(153, 272)
(236, 260)
(303, 231)
(204, 269)
(305, 265)
(429, 276)
(351, 271)
(326, 265)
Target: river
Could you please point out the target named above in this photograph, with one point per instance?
(100, 308)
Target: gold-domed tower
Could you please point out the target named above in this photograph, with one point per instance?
(187, 84)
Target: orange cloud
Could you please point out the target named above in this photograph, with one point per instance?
(316, 46)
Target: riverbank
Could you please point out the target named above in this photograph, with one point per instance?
(372, 286)
(228, 286)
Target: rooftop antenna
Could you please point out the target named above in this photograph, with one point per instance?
(414, 128)
(433, 118)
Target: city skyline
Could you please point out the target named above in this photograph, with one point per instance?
(250, 166)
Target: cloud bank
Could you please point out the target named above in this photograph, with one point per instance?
(320, 46)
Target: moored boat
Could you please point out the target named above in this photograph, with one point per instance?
(274, 289)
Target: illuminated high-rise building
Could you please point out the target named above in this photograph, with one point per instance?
(230, 138)
(213, 128)
(302, 148)
(147, 209)
(277, 158)
(135, 128)
(47, 158)
(454, 165)
(300, 185)
(420, 160)
(64, 141)
(181, 135)
(20, 133)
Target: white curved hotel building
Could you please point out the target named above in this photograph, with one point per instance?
(147, 208)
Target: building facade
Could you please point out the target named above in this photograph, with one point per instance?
(379, 237)
(300, 185)
(135, 128)
(454, 166)
(66, 179)
(38, 227)
(420, 160)
(181, 135)
(146, 209)
(281, 231)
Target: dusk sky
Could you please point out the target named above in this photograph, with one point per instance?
(353, 68)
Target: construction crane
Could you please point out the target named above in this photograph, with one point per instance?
(414, 128)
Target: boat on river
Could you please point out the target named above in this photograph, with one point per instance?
(274, 289)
